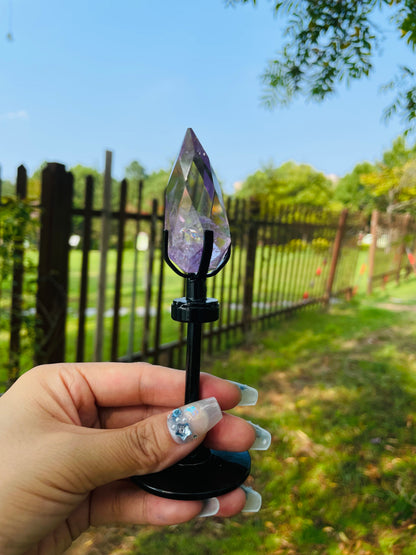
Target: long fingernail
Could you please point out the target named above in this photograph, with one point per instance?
(191, 421)
(263, 438)
(253, 500)
(210, 508)
(249, 395)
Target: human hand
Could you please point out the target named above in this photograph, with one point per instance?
(71, 436)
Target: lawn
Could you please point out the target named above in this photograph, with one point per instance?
(281, 278)
(338, 393)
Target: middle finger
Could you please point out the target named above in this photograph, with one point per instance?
(230, 434)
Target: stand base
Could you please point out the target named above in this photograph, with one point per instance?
(200, 477)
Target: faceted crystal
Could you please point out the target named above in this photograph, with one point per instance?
(193, 204)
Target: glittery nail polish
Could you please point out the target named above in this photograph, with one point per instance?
(193, 420)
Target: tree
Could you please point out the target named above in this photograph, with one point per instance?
(135, 173)
(392, 182)
(7, 188)
(394, 188)
(80, 174)
(399, 153)
(154, 187)
(289, 184)
(351, 190)
(34, 183)
(329, 41)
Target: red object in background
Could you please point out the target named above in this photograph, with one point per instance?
(306, 295)
(355, 290)
(363, 269)
(318, 271)
(411, 259)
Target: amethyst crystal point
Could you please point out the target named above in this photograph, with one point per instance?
(194, 204)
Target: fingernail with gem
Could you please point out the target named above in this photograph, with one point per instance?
(210, 508)
(253, 500)
(193, 420)
(263, 438)
(249, 395)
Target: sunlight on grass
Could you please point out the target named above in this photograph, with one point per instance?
(338, 393)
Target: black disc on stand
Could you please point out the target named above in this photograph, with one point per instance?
(216, 473)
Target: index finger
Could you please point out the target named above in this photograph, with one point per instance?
(138, 383)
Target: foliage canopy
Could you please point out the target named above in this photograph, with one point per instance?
(331, 41)
(393, 180)
(291, 183)
(351, 190)
(388, 185)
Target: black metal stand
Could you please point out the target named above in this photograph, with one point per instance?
(205, 472)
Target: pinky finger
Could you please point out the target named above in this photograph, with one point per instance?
(124, 503)
(232, 503)
(242, 499)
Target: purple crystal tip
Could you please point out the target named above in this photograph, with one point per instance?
(193, 204)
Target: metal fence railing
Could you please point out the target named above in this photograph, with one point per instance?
(284, 258)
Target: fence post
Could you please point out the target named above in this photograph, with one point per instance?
(119, 265)
(149, 281)
(51, 300)
(104, 241)
(17, 286)
(134, 281)
(86, 244)
(252, 232)
(372, 250)
(402, 246)
(335, 254)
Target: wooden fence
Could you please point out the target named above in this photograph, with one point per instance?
(284, 258)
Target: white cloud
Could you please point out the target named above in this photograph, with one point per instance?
(19, 114)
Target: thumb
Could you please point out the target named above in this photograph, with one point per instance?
(149, 446)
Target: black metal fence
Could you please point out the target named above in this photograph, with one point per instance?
(284, 258)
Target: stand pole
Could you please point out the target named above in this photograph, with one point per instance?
(196, 293)
(193, 362)
(204, 473)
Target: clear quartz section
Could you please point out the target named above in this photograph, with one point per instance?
(193, 204)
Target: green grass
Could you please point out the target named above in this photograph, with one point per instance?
(338, 393)
(282, 276)
(292, 273)
(172, 288)
(291, 288)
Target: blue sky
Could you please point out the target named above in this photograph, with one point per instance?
(83, 76)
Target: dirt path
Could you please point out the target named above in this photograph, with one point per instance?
(397, 307)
